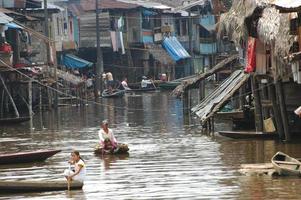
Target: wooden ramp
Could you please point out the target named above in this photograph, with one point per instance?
(214, 101)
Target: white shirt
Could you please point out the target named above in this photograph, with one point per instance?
(125, 85)
(144, 83)
(82, 173)
(103, 135)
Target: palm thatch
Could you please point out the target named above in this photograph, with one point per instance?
(233, 22)
(273, 29)
(195, 80)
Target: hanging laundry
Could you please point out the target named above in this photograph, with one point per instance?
(114, 40)
(121, 43)
(251, 55)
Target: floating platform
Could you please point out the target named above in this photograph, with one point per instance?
(259, 169)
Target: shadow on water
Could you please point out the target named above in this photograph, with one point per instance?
(169, 157)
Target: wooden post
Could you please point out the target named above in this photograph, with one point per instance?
(30, 98)
(258, 107)
(276, 112)
(281, 99)
(2, 103)
(10, 97)
(185, 101)
(40, 98)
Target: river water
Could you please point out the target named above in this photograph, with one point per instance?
(170, 158)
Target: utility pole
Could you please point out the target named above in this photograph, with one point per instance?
(99, 62)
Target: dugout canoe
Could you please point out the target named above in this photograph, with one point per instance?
(122, 149)
(248, 135)
(286, 165)
(114, 94)
(26, 157)
(169, 85)
(37, 186)
(16, 120)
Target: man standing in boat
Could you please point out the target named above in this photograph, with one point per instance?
(106, 137)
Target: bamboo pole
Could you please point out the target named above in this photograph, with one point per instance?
(30, 99)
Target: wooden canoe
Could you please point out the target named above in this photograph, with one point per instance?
(25, 157)
(248, 135)
(122, 149)
(141, 90)
(169, 85)
(286, 165)
(5, 121)
(37, 186)
(114, 94)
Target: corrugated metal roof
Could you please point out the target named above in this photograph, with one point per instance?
(89, 5)
(190, 5)
(4, 19)
(289, 5)
(148, 4)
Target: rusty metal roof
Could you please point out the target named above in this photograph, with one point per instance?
(89, 5)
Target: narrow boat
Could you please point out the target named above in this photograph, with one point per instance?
(114, 94)
(141, 90)
(37, 186)
(25, 157)
(122, 149)
(248, 135)
(286, 165)
(169, 85)
(5, 121)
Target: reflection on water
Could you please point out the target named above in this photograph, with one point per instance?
(169, 157)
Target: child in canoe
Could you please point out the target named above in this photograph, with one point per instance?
(79, 172)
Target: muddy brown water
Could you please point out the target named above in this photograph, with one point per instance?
(170, 158)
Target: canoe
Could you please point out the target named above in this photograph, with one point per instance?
(37, 186)
(141, 90)
(122, 149)
(5, 121)
(114, 94)
(248, 135)
(169, 85)
(286, 165)
(25, 157)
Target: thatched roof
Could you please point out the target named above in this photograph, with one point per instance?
(273, 29)
(194, 81)
(233, 22)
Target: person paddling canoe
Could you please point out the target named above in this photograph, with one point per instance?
(79, 172)
(107, 139)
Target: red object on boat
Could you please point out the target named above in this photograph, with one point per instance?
(26, 157)
(251, 57)
(6, 48)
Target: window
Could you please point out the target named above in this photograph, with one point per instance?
(184, 27)
(146, 22)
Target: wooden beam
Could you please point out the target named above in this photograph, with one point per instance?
(258, 107)
(10, 97)
(280, 94)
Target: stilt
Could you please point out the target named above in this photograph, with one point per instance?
(280, 94)
(30, 99)
(276, 112)
(258, 107)
(10, 97)
(40, 98)
(2, 103)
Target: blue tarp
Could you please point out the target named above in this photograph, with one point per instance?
(208, 22)
(12, 25)
(175, 49)
(72, 61)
